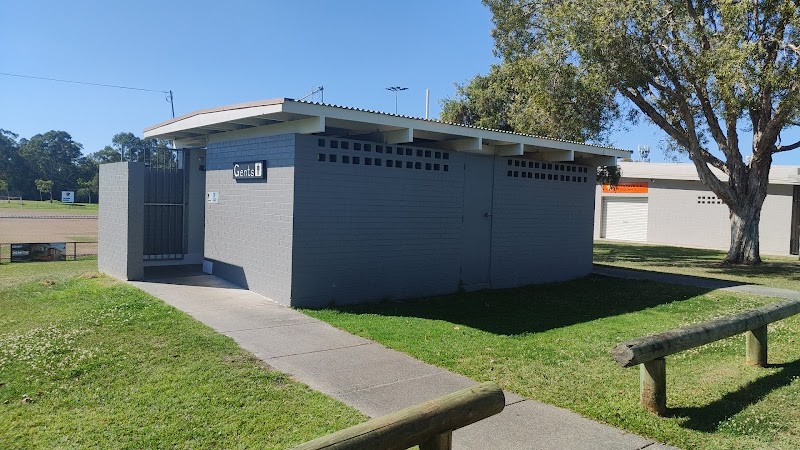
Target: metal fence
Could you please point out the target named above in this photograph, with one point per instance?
(74, 251)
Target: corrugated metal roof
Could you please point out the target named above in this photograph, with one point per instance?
(332, 105)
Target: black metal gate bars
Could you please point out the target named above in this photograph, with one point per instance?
(164, 200)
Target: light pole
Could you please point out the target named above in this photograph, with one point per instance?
(396, 89)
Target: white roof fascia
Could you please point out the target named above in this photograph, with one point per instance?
(210, 125)
(687, 172)
(205, 119)
(445, 128)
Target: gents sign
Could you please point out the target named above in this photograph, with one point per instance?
(249, 170)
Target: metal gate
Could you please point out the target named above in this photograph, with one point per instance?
(164, 200)
(794, 244)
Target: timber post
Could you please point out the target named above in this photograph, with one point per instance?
(648, 352)
(653, 386)
(443, 441)
(429, 425)
(756, 343)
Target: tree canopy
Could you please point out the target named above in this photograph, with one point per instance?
(54, 156)
(703, 71)
(528, 95)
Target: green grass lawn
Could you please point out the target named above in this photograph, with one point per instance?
(71, 208)
(89, 362)
(552, 343)
(776, 271)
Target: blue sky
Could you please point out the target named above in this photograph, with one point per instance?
(217, 53)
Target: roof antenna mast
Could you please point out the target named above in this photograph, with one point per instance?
(320, 90)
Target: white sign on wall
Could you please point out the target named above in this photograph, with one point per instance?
(212, 197)
(67, 196)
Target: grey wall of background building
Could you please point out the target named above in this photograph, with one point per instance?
(248, 234)
(120, 224)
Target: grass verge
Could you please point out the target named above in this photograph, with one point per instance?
(776, 271)
(551, 343)
(63, 208)
(86, 361)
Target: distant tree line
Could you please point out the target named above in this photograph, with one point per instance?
(46, 164)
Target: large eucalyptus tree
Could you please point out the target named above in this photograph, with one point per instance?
(707, 72)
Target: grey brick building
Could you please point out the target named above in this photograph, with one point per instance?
(312, 204)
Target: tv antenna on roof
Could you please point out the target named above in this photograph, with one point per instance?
(320, 90)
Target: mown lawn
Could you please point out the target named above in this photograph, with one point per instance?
(89, 362)
(56, 206)
(552, 342)
(776, 271)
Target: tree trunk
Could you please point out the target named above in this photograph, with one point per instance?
(744, 247)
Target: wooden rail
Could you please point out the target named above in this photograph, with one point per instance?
(429, 425)
(649, 352)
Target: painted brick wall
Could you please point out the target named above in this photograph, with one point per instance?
(369, 232)
(687, 213)
(542, 220)
(248, 234)
(120, 225)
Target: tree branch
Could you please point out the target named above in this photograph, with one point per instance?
(786, 148)
(657, 118)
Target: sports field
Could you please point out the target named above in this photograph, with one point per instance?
(44, 226)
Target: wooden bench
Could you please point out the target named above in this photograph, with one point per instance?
(649, 352)
(429, 425)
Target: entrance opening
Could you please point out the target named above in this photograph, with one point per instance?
(477, 244)
(164, 203)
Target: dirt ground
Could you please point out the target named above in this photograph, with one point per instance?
(43, 230)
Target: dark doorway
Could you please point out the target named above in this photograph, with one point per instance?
(794, 245)
(164, 204)
(476, 247)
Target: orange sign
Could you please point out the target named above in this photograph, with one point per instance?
(626, 188)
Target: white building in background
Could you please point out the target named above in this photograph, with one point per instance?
(667, 204)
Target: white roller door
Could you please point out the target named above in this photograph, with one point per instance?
(625, 219)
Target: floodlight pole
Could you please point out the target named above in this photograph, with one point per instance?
(396, 89)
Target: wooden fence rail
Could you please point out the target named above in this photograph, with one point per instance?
(649, 352)
(429, 425)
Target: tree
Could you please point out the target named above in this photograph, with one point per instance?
(13, 168)
(107, 155)
(52, 156)
(526, 95)
(703, 71)
(44, 186)
(4, 187)
(87, 188)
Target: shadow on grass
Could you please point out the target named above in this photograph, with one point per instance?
(535, 308)
(690, 258)
(708, 418)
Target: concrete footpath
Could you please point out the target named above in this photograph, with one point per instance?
(370, 377)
